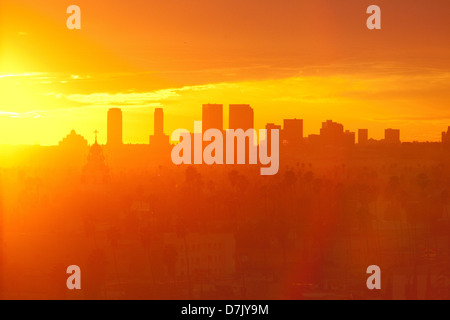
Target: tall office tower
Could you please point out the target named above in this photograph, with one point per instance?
(392, 136)
(363, 136)
(241, 116)
(114, 136)
(159, 122)
(269, 127)
(332, 133)
(446, 136)
(292, 131)
(212, 117)
(159, 140)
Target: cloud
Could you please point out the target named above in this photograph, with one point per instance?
(20, 75)
(134, 98)
(32, 114)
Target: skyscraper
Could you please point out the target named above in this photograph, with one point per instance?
(159, 141)
(392, 136)
(114, 136)
(446, 137)
(212, 117)
(241, 117)
(363, 136)
(292, 131)
(269, 128)
(159, 122)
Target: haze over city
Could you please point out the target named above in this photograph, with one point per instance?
(354, 173)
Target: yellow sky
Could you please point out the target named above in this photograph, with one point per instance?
(307, 59)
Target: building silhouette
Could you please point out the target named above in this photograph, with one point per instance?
(349, 138)
(158, 122)
(331, 133)
(114, 127)
(272, 126)
(292, 133)
(212, 117)
(392, 136)
(241, 116)
(73, 149)
(446, 136)
(269, 128)
(363, 136)
(95, 170)
(159, 141)
(73, 141)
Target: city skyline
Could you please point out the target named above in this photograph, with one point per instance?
(276, 57)
(224, 150)
(243, 115)
(138, 120)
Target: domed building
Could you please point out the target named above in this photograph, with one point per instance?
(95, 171)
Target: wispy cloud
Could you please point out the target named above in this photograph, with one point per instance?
(20, 75)
(31, 114)
(132, 98)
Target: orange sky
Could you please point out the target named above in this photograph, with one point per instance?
(313, 59)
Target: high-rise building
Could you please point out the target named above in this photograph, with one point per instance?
(269, 128)
(446, 136)
(292, 131)
(363, 136)
(241, 116)
(392, 136)
(114, 135)
(332, 133)
(212, 117)
(159, 122)
(159, 141)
